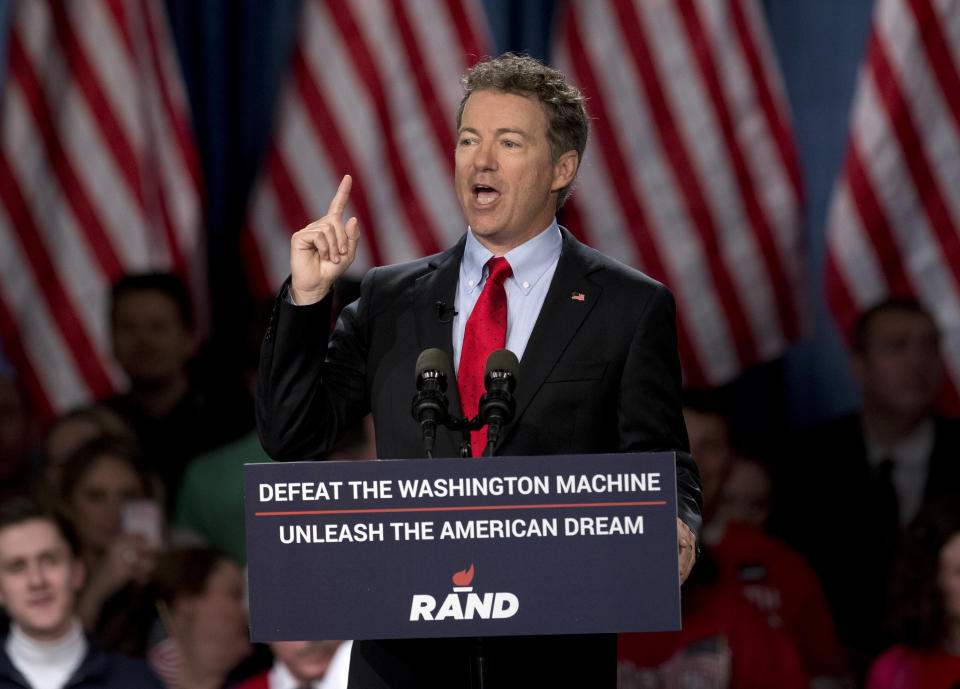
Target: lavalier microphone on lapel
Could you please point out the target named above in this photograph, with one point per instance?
(445, 312)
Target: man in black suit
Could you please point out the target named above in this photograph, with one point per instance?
(852, 483)
(597, 342)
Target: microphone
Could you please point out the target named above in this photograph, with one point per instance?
(445, 312)
(497, 406)
(430, 406)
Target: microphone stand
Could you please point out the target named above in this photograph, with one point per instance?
(498, 406)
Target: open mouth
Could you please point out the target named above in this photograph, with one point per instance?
(484, 194)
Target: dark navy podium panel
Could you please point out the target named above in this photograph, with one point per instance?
(462, 547)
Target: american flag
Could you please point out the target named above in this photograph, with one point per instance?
(98, 176)
(373, 91)
(894, 222)
(691, 174)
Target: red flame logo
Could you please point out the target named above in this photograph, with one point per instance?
(463, 577)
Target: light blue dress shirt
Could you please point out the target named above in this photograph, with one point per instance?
(534, 263)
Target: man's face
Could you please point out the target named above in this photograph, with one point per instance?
(150, 339)
(39, 578)
(214, 625)
(747, 494)
(711, 450)
(307, 661)
(505, 175)
(899, 367)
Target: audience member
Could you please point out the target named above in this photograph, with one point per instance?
(850, 484)
(723, 642)
(924, 614)
(747, 495)
(709, 435)
(305, 665)
(40, 575)
(176, 413)
(772, 577)
(106, 494)
(71, 430)
(210, 499)
(200, 595)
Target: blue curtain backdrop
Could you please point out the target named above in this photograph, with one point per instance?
(234, 54)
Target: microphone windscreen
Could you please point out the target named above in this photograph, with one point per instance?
(502, 360)
(433, 359)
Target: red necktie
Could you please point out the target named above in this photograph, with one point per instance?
(486, 332)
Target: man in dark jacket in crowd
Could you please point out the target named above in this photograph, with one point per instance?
(40, 575)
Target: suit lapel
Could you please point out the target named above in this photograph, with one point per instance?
(439, 285)
(570, 298)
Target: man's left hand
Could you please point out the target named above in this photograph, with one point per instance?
(688, 549)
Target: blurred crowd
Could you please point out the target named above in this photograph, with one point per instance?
(829, 558)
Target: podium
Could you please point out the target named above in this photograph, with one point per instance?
(423, 548)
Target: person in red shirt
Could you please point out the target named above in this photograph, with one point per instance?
(766, 574)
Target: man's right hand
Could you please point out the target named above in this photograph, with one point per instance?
(323, 250)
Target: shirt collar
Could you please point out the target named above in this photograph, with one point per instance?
(529, 261)
(914, 449)
(281, 678)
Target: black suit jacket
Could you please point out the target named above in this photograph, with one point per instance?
(831, 507)
(599, 374)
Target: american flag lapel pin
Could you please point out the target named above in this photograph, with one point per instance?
(577, 296)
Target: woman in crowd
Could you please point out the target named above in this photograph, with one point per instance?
(925, 612)
(75, 428)
(107, 495)
(200, 595)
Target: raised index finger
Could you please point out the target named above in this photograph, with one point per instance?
(339, 202)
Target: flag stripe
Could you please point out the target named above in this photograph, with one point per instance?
(902, 169)
(70, 184)
(748, 193)
(426, 162)
(912, 148)
(771, 112)
(873, 219)
(45, 357)
(94, 184)
(385, 115)
(941, 61)
(15, 352)
(439, 120)
(118, 10)
(691, 171)
(636, 139)
(423, 232)
(111, 133)
(22, 223)
(470, 40)
(621, 181)
(686, 179)
(840, 294)
(291, 210)
(161, 69)
(254, 265)
(326, 130)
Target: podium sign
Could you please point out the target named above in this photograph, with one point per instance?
(462, 547)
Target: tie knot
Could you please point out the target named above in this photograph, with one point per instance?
(499, 269)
